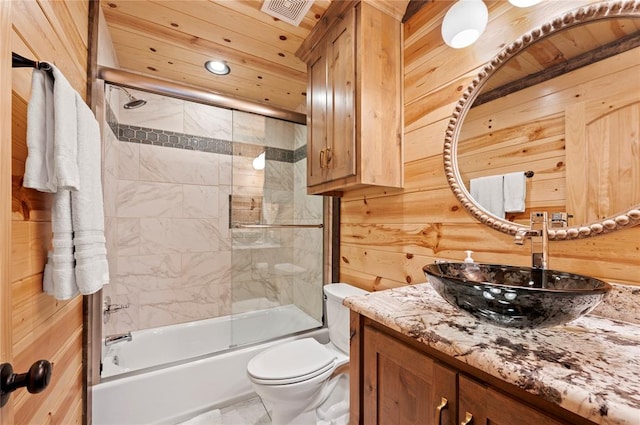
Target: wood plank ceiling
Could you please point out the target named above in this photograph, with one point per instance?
(172, 40)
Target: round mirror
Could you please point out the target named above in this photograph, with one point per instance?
(552, 123)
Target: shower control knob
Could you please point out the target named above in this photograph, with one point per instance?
(36, 380)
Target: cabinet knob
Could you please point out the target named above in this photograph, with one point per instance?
(322, 158)
(468, 419)
(443, 405)
(329, 157)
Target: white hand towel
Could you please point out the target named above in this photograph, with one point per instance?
(515, 192)
(39, 171)
(489, 193)
(52, 134)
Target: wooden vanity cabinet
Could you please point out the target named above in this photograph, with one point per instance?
(397, 383)
(479, 404)
(403, 385)
(354, 104)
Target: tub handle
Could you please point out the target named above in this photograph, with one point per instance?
(109, 309)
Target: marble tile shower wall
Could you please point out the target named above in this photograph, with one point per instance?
(167, 213)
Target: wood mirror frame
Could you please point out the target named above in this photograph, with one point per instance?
(579, 16)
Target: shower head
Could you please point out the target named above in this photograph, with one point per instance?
(133, 102)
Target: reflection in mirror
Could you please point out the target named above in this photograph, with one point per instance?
(564, 109)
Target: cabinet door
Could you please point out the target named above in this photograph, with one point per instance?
(317, 105)
(482, 405)
(403, 386)
(341, 141)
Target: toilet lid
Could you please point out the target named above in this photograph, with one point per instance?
(296, 359)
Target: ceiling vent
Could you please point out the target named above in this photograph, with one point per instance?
(290, 11)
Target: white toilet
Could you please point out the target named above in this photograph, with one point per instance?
(294, 379)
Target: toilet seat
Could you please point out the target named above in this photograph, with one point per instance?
(296, 379)
(292, 362)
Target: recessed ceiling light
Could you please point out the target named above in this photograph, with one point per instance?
(217, 67)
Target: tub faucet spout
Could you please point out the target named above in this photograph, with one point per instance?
(114, 339)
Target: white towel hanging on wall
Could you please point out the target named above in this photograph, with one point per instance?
(515, 192)
(64, 157)
(489, 193)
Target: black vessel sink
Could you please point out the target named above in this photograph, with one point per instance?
(516, 297)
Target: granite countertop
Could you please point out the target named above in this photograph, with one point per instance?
(590, 366)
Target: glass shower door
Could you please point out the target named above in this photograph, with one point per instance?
(276, 231)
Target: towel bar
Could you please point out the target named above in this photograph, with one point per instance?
(18, 61)
(277, 226)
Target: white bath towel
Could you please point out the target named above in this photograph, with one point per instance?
(489, 193)
(61, 272)
(89, 237)
(92, 269)
(59, 278)
(77, 262)
(515, 191)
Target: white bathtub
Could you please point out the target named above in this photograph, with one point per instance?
(149, 393)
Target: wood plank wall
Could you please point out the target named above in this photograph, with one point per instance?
(6, 413)
(387, 236)
(43, 328)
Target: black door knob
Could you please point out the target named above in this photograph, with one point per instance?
(36, 380)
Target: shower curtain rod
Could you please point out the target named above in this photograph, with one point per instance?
(184, 92)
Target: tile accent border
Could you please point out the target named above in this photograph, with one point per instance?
(300, 153)
(172, 139)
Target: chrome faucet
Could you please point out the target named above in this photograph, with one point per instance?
(538, 233)
(114, 339)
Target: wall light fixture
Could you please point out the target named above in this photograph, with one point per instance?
(524, 3)
(464, 22)
(259, 162)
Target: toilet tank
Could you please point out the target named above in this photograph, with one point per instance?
(337, 314)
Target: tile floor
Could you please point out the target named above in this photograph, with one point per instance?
(247, 412)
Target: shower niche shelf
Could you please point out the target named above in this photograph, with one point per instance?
(244, 210)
